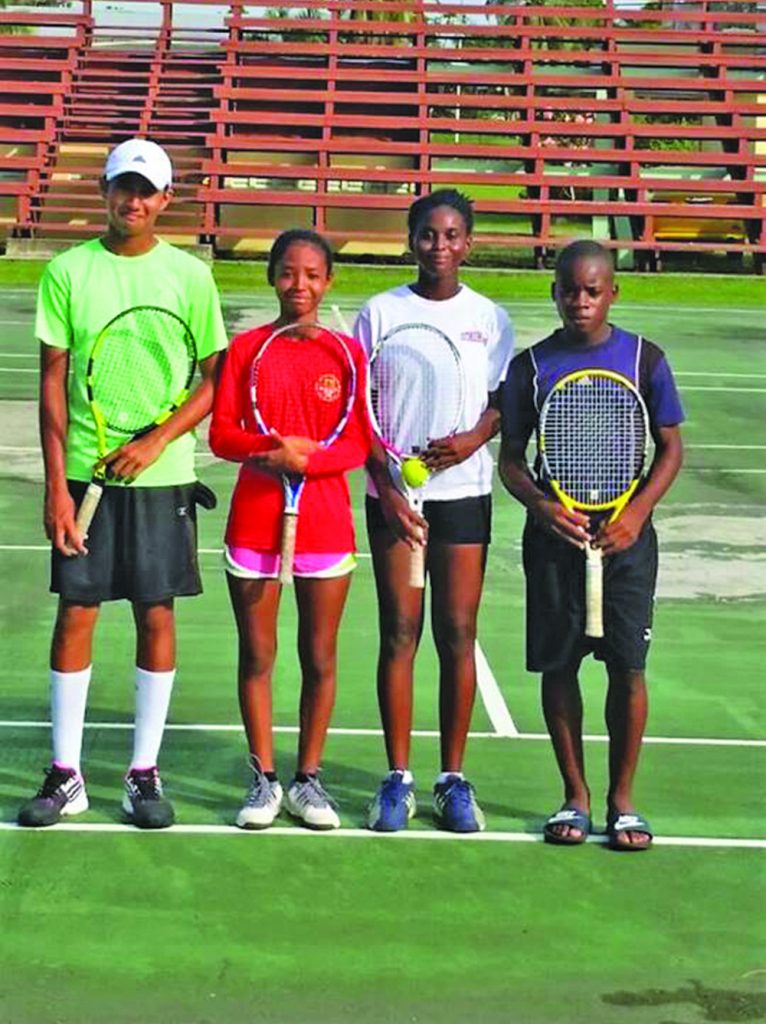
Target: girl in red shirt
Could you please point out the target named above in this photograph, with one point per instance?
(300, 269)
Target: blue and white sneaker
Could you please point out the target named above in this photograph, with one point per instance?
(393, 804)
(455, 807)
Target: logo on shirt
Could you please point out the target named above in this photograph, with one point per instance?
(328, 387)
(475, 337)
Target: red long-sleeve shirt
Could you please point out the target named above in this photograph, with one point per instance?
(255, 518)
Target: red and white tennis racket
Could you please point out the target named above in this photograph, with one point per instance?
(302, 384)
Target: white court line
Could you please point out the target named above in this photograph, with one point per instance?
(693, 741)
(413, 835)
(492, 697)
(718, 374)
(705, 387)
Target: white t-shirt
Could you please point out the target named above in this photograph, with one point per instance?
(483, 335)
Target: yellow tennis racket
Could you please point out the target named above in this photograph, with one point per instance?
(593, 439)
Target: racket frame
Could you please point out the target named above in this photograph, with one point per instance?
(95, 490)
(594, 559)
(414, 496)
(293, 484)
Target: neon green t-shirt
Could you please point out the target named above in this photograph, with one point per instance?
(81, 291)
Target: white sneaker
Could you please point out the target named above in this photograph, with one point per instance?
(263, 801)
(309, 803)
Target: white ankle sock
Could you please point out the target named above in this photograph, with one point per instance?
(153, 690)
(69, 696)
(407, 777)
(443, 776)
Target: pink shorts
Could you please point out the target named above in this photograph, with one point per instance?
(264, 565)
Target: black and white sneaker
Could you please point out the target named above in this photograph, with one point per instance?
(144, 802)
(61, 794)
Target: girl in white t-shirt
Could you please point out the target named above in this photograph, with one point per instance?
(456, 516)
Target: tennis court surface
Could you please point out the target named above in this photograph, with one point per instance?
(205, 924)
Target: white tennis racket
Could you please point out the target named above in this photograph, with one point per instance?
(416, 394)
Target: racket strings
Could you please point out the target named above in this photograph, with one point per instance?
(595, 439)
(302, 386)
(416, 390)
(142, 366)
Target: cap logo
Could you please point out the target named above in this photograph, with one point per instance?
(138, 159)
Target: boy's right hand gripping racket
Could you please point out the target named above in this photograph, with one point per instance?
(593, 439)
(416, 392)
(139, 372)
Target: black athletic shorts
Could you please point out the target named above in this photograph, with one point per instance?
(555, 572)
(142, 547)
(457, 521)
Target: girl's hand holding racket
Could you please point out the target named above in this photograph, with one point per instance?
(444, 452)
(402, 520)
(290, 455)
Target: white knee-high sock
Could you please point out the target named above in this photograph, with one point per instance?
(69, 696)
(153, 691)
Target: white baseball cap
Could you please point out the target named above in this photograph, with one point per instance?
(140, 156)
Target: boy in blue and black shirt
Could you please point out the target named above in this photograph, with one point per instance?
(554, 565)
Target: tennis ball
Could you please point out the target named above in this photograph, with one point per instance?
(415, 472)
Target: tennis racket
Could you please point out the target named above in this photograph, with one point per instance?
(139, 372)
(593, 439)
(302, 384)
(416, 393)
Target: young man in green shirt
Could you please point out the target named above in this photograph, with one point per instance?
(141, 545)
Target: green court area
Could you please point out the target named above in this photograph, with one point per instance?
(204, 924)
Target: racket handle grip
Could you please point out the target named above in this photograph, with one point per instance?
(289, 531)
(594, 592)
(87, 509)
(417, 577)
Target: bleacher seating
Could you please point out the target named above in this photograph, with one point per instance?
(640, 127)
(38, 52)
(644, 128)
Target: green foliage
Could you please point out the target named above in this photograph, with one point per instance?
(668, 143)
(296, 15)
(562, 21)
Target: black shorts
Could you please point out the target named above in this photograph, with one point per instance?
(457, 521)
(555, 572)
(142, 547)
